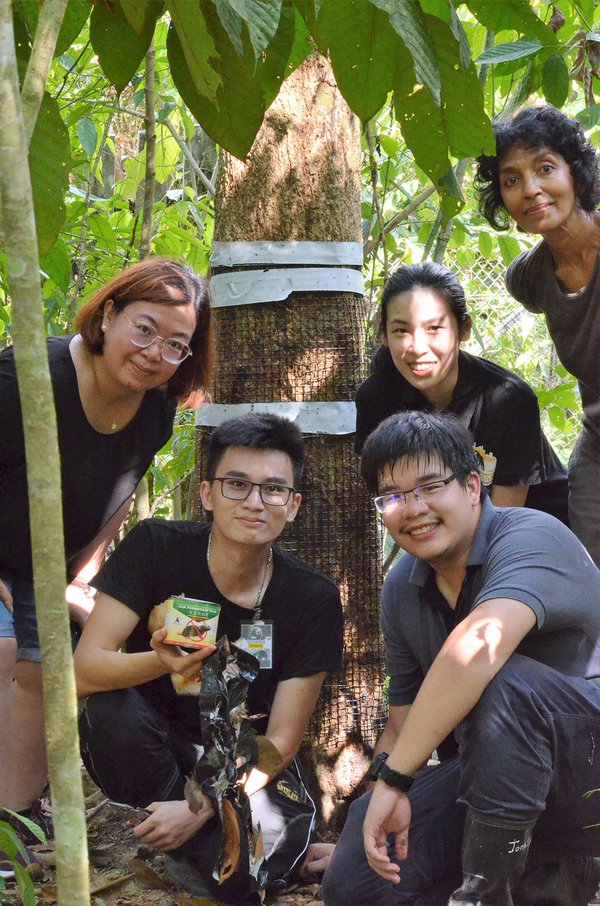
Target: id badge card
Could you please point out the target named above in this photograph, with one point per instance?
(257, 638)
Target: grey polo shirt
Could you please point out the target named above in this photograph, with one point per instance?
(516, 553)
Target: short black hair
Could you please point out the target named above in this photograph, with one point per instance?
(538, 127)
(425, 275)
(260, 431)
(422, 436)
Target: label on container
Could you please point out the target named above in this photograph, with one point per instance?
(191, 623)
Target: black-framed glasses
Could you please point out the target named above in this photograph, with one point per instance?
(143, 335)
(395, 500)
(241, 488)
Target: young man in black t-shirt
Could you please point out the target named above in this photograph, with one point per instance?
(140, 738)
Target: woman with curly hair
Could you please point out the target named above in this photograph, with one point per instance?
(545, 177)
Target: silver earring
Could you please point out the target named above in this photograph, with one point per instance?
(104, 327)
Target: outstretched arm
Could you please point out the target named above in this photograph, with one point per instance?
(293, 705)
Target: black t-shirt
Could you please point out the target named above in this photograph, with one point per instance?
(160, 559)
(500, 410)
(99, 471)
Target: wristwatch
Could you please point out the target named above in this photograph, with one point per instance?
(380, 771)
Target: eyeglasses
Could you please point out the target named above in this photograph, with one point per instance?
(241, 488)
(398, 499)
(144, 335)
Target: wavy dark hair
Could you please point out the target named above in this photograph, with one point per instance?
(426, 275)
(159, 280)
(533, 128)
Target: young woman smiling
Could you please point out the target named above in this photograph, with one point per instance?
(420, 366)
(545, 177)
(144, 342)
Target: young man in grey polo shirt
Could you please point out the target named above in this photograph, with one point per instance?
(492, 632)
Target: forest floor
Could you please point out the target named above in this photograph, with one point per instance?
(122, 873)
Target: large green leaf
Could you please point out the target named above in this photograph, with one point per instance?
(76, 15)
(87, 134)
(197, 46)
(237, 113)
(511, 15)
(57, 265)
(232, 22)
(423, 129)
(120, 49)
(363, 49)
(409, 21)
(514, 50)
(286, 51)
(261, 17)
(458, 127)
(466, 124)
(141, 14)
(50, 163)
(589, 116)
(555, 80)
(23, 40)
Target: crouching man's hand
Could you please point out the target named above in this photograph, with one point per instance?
(172, 823)
(318, 857)
(176, 660)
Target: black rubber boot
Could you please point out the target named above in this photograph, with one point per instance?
(494, 854)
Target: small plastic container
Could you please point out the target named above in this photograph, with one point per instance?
(191, 623)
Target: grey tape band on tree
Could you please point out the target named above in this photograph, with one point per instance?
(240, 254)
(323, 417)
(254, 286)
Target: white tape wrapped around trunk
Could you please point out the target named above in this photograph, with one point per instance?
(240, 254)
(312, 418)
(252, 287)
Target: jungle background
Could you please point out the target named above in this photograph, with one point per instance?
(137, 127)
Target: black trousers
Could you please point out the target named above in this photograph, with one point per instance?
(136, 756)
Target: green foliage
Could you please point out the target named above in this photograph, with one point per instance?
(364, 68)
(13, 848)
(261, 17)
(194, 48)
(119, 47)
(426, 73)
(555, 80)
(49, 163)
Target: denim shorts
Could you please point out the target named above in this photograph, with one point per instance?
(21, 623)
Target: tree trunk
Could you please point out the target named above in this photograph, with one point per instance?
(301, 181)
(43, 475)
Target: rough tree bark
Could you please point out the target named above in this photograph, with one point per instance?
(43, 473)
(301, 181)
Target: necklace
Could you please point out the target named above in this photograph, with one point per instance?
(257, 603)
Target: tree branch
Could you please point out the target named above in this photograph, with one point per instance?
(417, 201)
(51, 15)
(166, 494)
(190, 158)
(43, 478)
(150, 173)
(376, 201)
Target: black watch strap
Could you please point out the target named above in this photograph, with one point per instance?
(376, 765)
(380, 771)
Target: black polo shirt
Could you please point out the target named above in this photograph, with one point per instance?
(501, 412)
